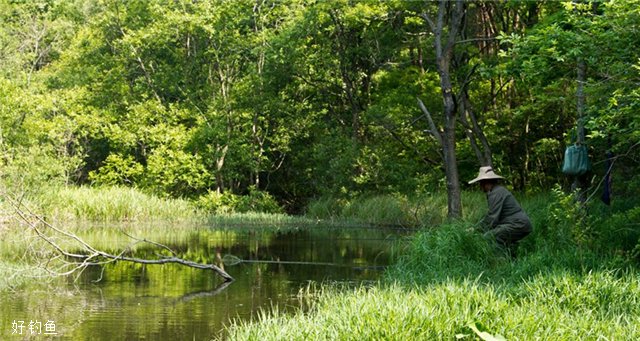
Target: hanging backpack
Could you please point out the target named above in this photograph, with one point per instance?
(576, 160)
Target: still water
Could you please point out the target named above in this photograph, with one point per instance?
(126, 301)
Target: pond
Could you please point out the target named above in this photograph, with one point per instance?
(127, 301)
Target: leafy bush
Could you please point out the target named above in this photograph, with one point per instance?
(227, 202)
(175, 172)
(567, 224)
(117, 170)
(34, 167)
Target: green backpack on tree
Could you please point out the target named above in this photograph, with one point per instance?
(576, 160)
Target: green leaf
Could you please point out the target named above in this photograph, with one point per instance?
(486, 336)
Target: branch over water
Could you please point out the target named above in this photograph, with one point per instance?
(90, 255)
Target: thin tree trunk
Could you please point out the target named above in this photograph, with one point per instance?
(474, 132)
(582, 76)
(443, 58)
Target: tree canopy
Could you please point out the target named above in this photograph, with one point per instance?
(309, 98)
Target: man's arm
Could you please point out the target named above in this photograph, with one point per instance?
(495, 200)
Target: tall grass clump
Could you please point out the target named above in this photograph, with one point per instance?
(456, 250)
(262, 220)
(451, 250)
(326, 208)
(112, 204)
(608, 231)
(392, 210)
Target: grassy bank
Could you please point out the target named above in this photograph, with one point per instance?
(553, 306)
(100, 216)
(110, 204)
(70, 205)
(574, 278)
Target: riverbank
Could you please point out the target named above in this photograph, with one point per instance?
(550, 306)
(106, 205)
(574, 278)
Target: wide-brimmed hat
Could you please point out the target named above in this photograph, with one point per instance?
(486, 173)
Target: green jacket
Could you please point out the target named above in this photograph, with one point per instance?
(504, 209)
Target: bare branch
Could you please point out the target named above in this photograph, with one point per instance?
(397, 137)
(94, 256)
(429, 21)
(150, 242)
(434, 130)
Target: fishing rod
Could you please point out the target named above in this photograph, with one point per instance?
(231, 260)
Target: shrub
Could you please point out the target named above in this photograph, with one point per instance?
(227, 202)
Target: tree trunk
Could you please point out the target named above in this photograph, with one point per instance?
(444, 56)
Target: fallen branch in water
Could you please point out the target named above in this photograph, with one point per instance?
(90, 255)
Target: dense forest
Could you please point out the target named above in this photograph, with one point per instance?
(303, 99)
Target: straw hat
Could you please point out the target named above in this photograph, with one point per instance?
(486, 173)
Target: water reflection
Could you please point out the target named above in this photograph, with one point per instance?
(161, 302)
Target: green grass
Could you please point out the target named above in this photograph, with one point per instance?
(450, 284)
(559, 306)
(71, 205)
(111, 204)
(263, 220)
(568, 282)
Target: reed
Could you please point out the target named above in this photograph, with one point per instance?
(262, 220)
(111, 204)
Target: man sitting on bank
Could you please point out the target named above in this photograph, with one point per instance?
(506, 221)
